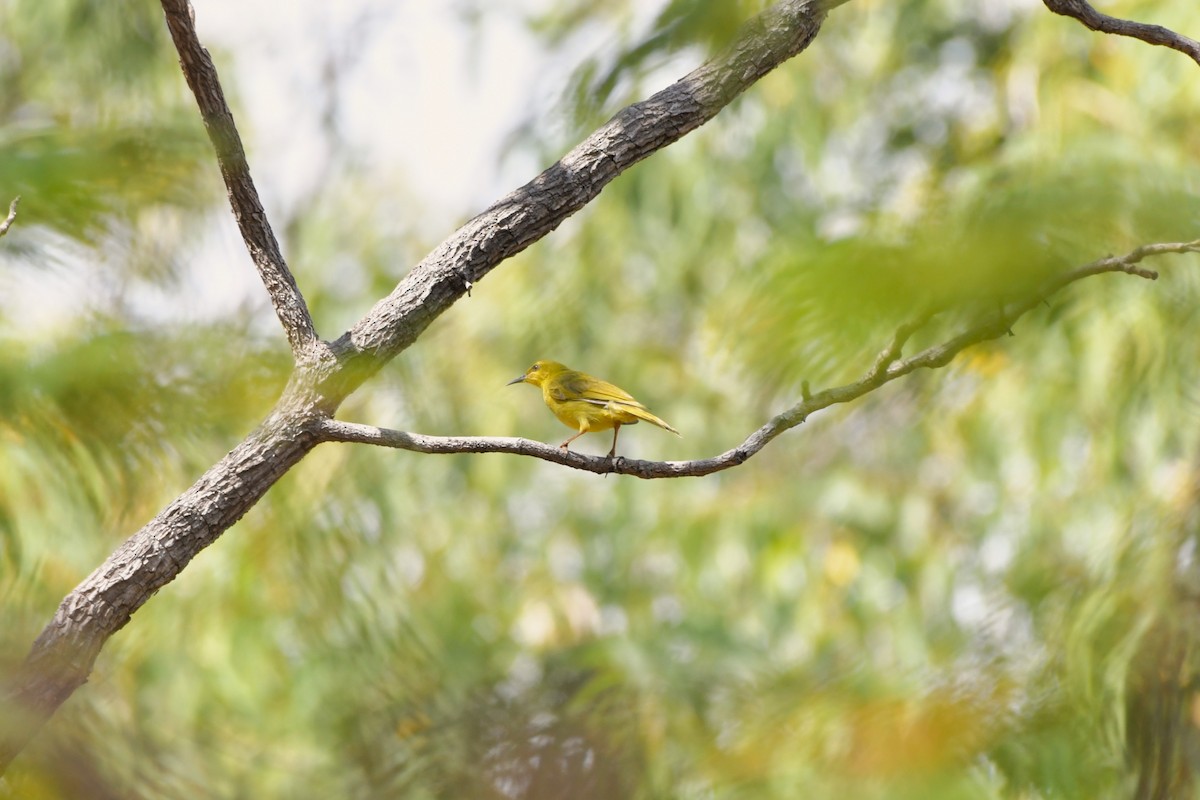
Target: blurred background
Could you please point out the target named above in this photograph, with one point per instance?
(978, 582)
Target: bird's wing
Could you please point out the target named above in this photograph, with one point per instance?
(596, 389)
(580, 387)
(601, 392)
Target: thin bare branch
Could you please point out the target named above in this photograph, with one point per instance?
(1151, 34)
(12, 215)
(887, 367)
(256, 231)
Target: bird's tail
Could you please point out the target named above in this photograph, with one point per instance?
(643, 414)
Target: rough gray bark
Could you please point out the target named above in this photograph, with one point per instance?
(63, 655)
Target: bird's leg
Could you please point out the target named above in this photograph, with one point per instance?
(616, 430)
(582, 430)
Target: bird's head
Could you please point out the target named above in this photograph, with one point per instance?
(539, 373)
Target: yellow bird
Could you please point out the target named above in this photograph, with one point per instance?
(586, 403)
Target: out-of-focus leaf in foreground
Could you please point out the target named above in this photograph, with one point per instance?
(817, 309)
(83, 182)
(95, 125)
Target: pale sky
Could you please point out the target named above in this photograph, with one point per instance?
(421, 92)
(424, 99)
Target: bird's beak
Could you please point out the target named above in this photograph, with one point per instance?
(518, 379)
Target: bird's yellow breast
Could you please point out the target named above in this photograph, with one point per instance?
(583, 415)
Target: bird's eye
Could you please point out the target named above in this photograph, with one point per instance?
(534, 368)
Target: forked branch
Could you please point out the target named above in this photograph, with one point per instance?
(62, 657)
(887, 367)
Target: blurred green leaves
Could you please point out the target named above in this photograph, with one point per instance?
(98, 431)
(95, 124)
(968, 585)
(816, 310)
(84, 182)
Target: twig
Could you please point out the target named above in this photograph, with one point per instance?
(243, 197)
(1151, 34)
(878, 371)
(887, 367)
(12, 215)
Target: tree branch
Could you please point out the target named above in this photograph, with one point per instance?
(63, 654)
(537, 208)
(887, 367)
(62, 657)
(256, 231)
(12, 215)
(1151, 34)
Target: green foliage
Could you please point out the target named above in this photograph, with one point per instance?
(811, 305)
(96, 130)
(974, 583)
(81, 182)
